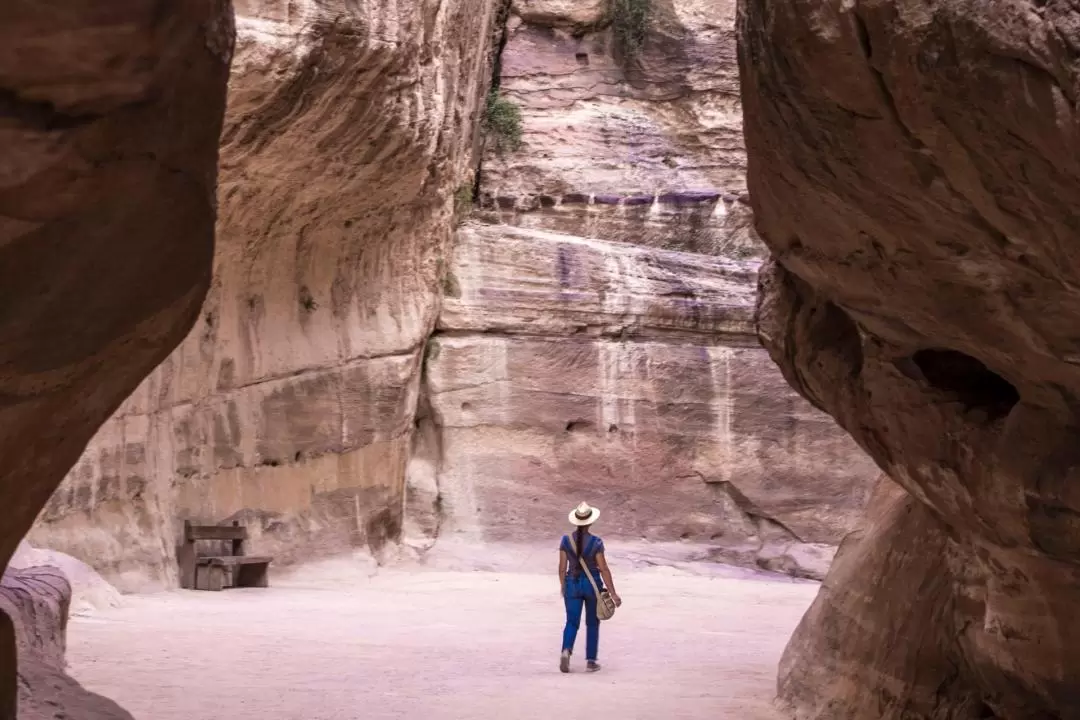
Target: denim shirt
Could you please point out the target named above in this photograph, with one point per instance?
(593, 547)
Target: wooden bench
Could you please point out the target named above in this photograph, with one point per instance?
(217, 572)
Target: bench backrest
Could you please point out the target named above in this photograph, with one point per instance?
(235, 532)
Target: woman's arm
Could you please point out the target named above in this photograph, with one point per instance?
(562, 572)
(605, 572)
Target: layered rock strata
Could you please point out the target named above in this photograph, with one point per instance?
(108, 139)
(565, 368)
(643, 146)
(290, 404)
(913, 168)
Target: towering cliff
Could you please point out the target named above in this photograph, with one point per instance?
(348, 349)
(915, 173)
(565, 367)
(631, 125)
(109, 122)
(349, 126)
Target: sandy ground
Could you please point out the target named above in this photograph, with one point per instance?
(329, 643)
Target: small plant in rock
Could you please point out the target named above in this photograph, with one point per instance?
(432, 351)
(630, 22)
(463, 201)
(307, 300)
(502, 122)
(451, 286)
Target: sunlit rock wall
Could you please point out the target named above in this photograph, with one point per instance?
(566, 369)
(290, 404)
(643, 147)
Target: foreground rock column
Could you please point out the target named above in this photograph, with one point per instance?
(39, 598)
(109, 121)
(914, 169)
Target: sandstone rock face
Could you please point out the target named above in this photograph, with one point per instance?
(290, 404)
(913, 168)
(108, 139)
(311, 387)
(565, 369)
(89, 591)
(38, 598)
(645, 148)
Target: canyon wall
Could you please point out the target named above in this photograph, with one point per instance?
(289, 406)
(565, 369)
(575, 365)
(639, 144)
(588, 333)
(109, 122)
(914, 171)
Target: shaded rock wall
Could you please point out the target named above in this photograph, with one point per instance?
(565, 368)
(290, 403)
(645, 148)
(914, 170)
(108, 139)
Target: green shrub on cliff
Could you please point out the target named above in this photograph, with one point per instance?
(630, 21)
(502, 122)
(463, 201)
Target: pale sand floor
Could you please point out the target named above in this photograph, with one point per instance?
(441, 645)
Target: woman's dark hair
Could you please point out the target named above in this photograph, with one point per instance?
(579, 535)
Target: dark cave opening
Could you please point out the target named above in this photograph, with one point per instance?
(968, 380)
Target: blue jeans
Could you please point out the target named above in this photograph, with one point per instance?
(579, 594)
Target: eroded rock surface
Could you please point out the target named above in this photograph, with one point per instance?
(89, 591)
(109, 123)
(289, 406)
(914, 170)
(38, 599)
(644, 147)
(566, 368)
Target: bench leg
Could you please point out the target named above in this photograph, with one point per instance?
(254, 575)
(186, 559)
(209, 577)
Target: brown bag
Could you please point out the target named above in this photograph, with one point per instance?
(605, 604)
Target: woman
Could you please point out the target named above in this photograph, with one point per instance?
(577, 591)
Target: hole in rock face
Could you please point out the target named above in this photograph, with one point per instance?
(577, 425)
(966, 378)
(834, 328)
(582, 58)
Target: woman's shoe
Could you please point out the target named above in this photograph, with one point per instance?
(592, 666)
(564, 661)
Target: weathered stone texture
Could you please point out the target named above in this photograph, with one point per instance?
(38, 599)
(567, 368)
(109, 122)
(645, 149)
(914, 170)
(290, 404)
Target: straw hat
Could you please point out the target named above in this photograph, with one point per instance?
(584, 514)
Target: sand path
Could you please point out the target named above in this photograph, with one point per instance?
(440, 645)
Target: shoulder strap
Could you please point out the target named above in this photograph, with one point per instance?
(584, 567)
